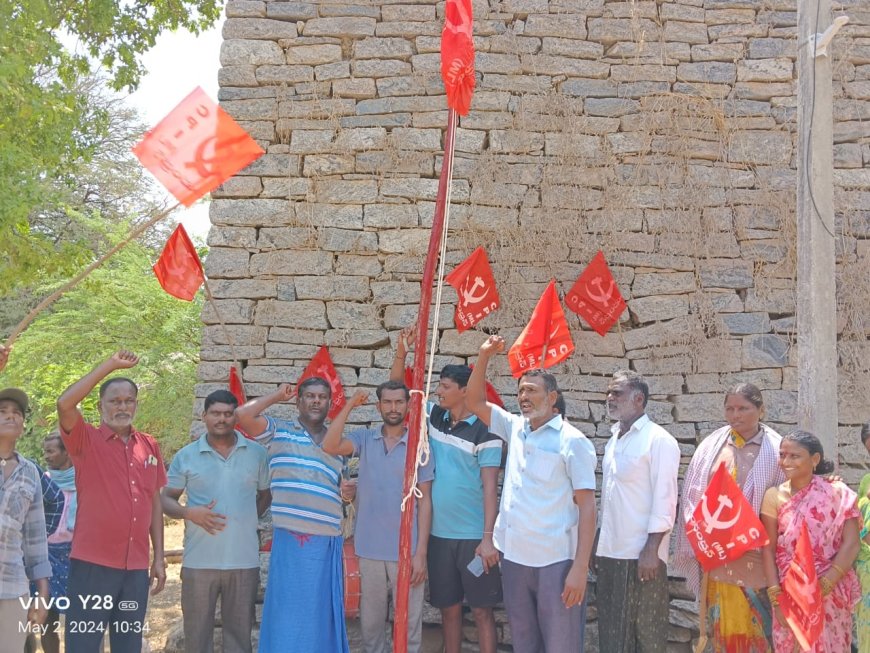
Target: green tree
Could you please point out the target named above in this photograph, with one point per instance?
(50, 124)
(119, 306)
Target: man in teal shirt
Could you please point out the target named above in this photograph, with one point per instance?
(226, 478)
(464, 508)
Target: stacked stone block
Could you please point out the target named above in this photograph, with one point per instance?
(662, 133)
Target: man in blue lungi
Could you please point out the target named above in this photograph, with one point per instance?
(303, 609)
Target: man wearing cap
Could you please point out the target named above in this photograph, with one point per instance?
(119, 473)
(23, 541)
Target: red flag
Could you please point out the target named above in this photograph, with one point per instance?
(801, 597)
(724, 526)
(196, 148)
(588, 298)
(475, 286)
(237, 388)
(178, 269)
(546, 331)
(321, 365)
(457, 55)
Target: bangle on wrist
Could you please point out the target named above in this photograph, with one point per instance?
(839, 569)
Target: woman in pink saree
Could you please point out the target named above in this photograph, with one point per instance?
(831, 515)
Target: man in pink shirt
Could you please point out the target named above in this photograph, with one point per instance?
(119, 473)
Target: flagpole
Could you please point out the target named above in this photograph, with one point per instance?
(403, 584)
(48, 301)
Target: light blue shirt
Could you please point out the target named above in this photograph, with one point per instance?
(233, 482)
(379, 494)
(537, 523)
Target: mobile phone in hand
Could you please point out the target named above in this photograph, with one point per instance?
(476, 566)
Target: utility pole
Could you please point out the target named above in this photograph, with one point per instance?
(816, 281)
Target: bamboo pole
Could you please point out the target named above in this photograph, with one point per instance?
(72, 283)
(403, 584)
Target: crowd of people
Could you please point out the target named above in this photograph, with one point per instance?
(85, 537)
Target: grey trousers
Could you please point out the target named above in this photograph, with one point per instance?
(539, 621)
(200, 589)
(632, 615)
(377, 581)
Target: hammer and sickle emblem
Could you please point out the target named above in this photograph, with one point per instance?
(468, 296)
(601, 297)
(713, 521)
(224, 152)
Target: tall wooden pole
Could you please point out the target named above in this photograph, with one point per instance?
(403, 584)
(816, 286)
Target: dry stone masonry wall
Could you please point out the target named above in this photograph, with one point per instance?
(663, 133)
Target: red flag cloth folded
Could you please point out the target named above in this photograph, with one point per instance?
(595, 297)
(475, 287)
(196, 148)
(321, 365)
(801, 597)
(546, 330)
(178, 269)
(457, 55)
(724, 526)
(237, 388)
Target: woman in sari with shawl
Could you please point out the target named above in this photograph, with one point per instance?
(737, 615)
(862, 564)
(831, 517)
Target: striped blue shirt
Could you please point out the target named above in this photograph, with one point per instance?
(304, 480)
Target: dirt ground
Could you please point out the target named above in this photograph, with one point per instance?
(164, 609)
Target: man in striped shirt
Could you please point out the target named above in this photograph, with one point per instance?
(303, 605)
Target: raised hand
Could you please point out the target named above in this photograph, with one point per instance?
(406, 340)
(359, 398)
(123, 359)
(492, 345)
(285, 392)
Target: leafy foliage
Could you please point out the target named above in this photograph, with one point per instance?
(56, 120)
(119, 306)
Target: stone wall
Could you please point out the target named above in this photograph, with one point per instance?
(660, 132)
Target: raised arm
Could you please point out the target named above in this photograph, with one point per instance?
(403, 346)
(475, 393)
(250, 415)
(333, 442)
(67, 405)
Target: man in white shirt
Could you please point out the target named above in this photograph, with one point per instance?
(546, 525)
(638, 507)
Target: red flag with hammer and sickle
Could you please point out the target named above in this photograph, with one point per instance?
(595, 297)
(475, 287)
(546, 339)
(457, 55)
(321, 366)
(178, 269)
(724, 526)
(801, 598)
(196, 148)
